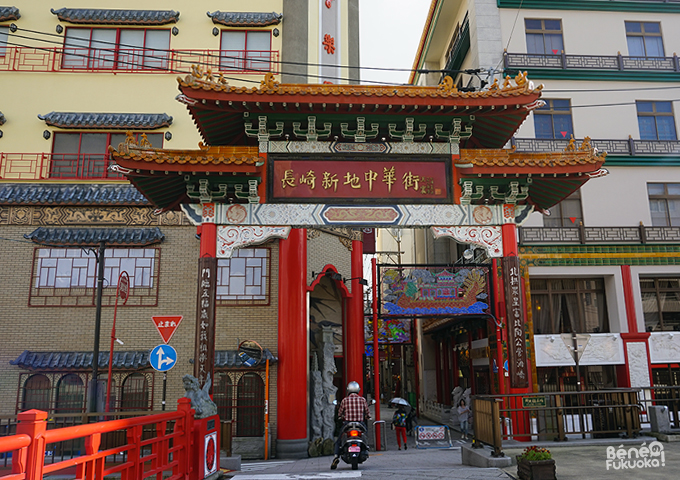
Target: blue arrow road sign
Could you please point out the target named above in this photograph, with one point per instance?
(163, 358)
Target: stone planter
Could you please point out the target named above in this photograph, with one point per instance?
(536, 470)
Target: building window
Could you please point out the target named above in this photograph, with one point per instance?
(239, 396)
(661, 303)
(135, 393)
(553, 120)
(68, 276)
(242, 51)
(567, 213)
(644, 39)
(37, 392)
(569, 305)
(544, 37)
(70, 394)
(116, 49)
(664, 204)
(656, 120)
(250, 411)
(85, 155)
(4, 35)
(244, 278)
(223, 395)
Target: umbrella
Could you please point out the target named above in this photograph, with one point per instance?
(399, 401)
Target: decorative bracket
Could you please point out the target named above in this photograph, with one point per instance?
(261, 133)
(467, 196)
(407, 135)
(230, 237)
(360, 134)
(204, 193)
(252, 195)
(512, 196)
(455, 134)
(490, 238)
(312, 134)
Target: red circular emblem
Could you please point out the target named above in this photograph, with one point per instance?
(210, 454)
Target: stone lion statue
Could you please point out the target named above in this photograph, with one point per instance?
(200, 398)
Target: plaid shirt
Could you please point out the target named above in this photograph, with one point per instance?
(354, 408)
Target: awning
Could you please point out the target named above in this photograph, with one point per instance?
(133, 360)
(60, 194)
(9, 13)
(116, 17)
(117, 121)
(230, 359)
(245, 19)
(92, 237)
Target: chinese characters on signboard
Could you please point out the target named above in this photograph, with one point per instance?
(205, 319)
(419, 181)
(517, 347)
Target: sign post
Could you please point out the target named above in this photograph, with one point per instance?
(122, 291)
(162, 359)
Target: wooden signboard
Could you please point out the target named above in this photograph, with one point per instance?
(517, 347)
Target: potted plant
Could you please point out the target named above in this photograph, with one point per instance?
(535, 463)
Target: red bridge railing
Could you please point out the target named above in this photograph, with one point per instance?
(166, 454)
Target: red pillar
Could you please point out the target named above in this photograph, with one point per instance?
(355, 319)
(520, 421)
(633, 335)
(438, 369)
(292, 366)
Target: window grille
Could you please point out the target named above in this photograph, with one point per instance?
(239, 397)
(135, 393)
(244, 279)
(70, 395)
(36, 393)
(68, 276)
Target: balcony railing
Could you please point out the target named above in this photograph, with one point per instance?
(23, 59)
(612, 147)
(40, 166)
(582, 235)
(591, 62)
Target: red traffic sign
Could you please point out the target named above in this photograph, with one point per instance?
(124, 286)
(167, 325)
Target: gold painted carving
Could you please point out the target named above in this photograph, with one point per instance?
(88, 216)
(204, 80)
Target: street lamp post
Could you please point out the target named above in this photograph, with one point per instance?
(97, 326)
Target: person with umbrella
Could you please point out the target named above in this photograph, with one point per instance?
(399, 420)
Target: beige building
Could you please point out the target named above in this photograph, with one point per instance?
(74, 81)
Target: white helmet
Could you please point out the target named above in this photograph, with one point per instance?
(353, 387)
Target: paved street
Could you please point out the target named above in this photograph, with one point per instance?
(574, 460)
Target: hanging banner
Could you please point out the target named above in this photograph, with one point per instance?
(390, 330)
(205, 320)
(434, 290)
(517, 345)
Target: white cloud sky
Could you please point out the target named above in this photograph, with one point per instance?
(390, 31)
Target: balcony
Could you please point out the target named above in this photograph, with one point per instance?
(629, 147)
(582, 235)
(23, 59)
(591, 62)
(42, 166)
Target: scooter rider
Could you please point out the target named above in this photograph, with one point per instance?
(353, 408)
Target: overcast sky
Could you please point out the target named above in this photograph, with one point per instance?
(390, 31)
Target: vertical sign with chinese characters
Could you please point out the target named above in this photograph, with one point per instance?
(517, 345)
(205, 319)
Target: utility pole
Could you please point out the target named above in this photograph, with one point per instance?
(97, 327)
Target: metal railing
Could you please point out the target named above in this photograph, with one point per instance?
(582, 235)
(555, 415)
(667, 396)
(39, 166)
(611, 146)
(25, 59)
(591, 62)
